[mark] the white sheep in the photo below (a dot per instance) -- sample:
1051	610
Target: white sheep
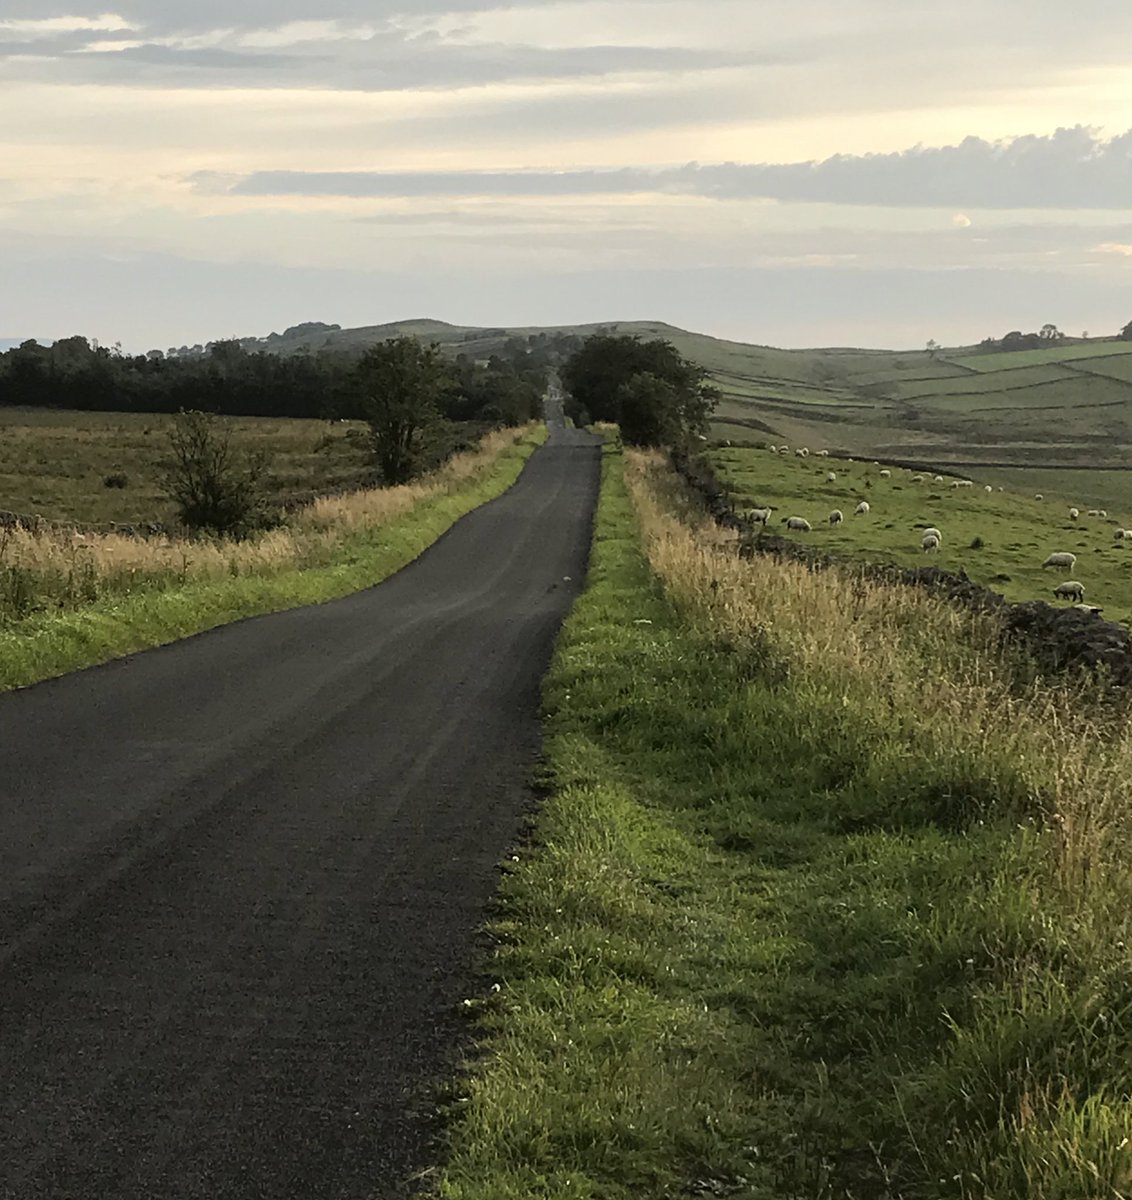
1073	514
1038	496
966	483
863	507
1096	610
783	449
1102	512
931	531
774	449
1120	534
798	523
886	473
987	487
929	542
831	476
1070	590
836	517
937	479
1093	512
823	454
955	483
1061	558
759	516
917	479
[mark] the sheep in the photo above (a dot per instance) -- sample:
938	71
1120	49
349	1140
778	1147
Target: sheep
954	483
931	531
798	523
1102	512
759	516
917	479
1070	590
823	454
831	476
836	517
937	479
1093	512
886	473
863	507
987	487
774	449
1038	496
966	483
1061	558
929	542
1094	609
783	449
1073	514
1120	534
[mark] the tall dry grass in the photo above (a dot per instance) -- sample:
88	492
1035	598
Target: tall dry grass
947	730
54	567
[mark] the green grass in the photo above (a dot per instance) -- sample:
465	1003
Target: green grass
53	461
52	643
752	953
1017	532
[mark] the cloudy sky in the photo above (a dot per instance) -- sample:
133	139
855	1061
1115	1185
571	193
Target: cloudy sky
790	172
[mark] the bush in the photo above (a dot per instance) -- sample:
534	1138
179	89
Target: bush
118	479
214	486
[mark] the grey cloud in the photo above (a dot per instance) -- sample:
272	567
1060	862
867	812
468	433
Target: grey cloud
1070	169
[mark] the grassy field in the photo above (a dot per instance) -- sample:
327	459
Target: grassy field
826	901
999	538
53	463
70	600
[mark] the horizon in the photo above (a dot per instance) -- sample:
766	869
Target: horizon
802	175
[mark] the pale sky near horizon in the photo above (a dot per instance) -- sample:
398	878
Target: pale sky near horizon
787	172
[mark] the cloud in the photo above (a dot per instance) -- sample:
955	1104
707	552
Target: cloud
1070	169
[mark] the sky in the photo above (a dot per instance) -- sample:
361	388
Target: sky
786	172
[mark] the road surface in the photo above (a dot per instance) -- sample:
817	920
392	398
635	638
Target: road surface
241	876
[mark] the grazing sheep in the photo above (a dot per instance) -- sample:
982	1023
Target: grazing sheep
1102	512
987	487
886	473
1062	558
931	531
1120	534
759	516
798	523
1070	590
836	517
917	479
783	449
1038	496
1095	609
1073	514
774	449
831	476
804	452
929	542
955	483
823	454
966	483
863	507
1093	512
937	479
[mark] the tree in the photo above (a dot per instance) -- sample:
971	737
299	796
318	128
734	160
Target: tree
400	382
214	486
1050	333
598	374
933	346
1126	333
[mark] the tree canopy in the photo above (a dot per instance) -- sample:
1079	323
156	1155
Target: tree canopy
648	388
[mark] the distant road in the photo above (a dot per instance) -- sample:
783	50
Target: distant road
240	876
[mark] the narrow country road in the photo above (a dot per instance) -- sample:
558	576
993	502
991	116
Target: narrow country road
241	875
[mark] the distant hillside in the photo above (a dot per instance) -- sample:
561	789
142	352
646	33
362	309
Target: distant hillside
1067	404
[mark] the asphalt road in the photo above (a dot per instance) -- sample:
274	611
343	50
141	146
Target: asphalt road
241	876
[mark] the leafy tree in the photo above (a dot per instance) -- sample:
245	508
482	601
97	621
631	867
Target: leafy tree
598	373
932	347
214	486
400	383
1050	333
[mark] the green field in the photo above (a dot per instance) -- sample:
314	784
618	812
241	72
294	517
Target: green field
1015	530
998	361
53	462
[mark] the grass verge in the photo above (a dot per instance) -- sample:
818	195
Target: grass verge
824	901
355	543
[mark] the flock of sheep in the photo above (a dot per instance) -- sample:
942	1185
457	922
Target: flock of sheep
931	538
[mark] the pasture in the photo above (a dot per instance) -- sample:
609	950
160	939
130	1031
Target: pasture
999	538
54	462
